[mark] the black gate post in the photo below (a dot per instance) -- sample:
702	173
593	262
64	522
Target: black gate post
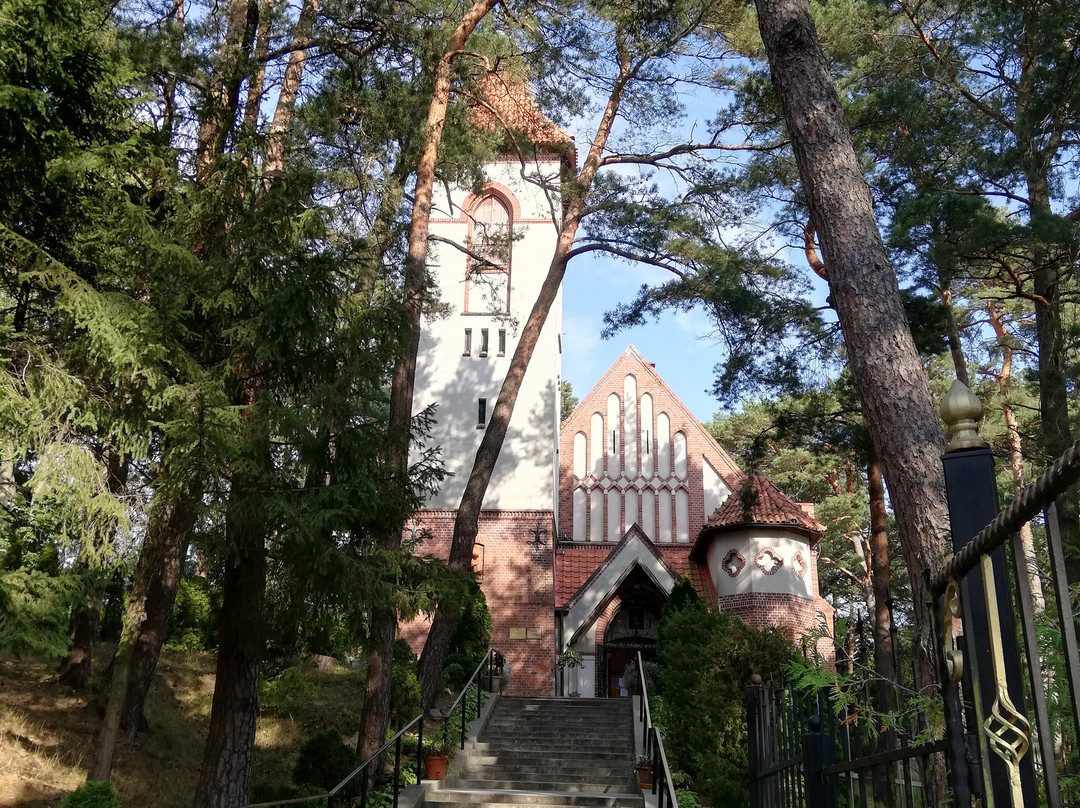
755	737
819	751
972	497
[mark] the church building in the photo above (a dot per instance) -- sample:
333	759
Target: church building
588	523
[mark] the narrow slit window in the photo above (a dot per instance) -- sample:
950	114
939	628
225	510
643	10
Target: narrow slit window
648	443
613	449
502	342
481	413
483	342
468	342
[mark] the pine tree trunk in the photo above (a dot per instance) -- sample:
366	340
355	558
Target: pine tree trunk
376	711
225	780
1036	151
286	105
109	734
223	92
173	527
75	667
885	365
377	688
1056	435
880	579
1016	454
466	521
952	334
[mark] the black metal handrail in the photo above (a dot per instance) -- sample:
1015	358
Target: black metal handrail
653	745
491	658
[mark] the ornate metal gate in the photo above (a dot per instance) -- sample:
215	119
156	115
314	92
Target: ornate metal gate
1009	670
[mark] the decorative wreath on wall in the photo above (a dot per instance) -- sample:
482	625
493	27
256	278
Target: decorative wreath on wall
798	563
733	563
768	560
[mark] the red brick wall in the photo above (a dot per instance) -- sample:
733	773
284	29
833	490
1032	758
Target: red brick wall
518	584
794	615
698	442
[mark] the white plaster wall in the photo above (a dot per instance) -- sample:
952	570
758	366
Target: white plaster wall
647	436
648	513
611	437
752	580
715	489
580	510
663	498
614	515
682	516
526	474
630	426
596	515
663	445
581	455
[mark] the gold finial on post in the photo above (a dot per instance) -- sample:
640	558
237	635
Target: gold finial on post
961	411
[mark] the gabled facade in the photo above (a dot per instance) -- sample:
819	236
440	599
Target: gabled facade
586	526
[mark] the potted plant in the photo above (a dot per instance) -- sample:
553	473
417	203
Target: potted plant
643	771
436	758
570	659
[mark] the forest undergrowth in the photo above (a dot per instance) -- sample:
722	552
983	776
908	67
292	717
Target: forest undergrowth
47	730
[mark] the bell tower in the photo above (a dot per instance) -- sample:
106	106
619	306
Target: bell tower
492	250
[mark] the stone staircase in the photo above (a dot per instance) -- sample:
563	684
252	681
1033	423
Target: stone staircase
546	752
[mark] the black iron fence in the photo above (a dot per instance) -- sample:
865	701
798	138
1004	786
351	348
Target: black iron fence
356	785
1001	726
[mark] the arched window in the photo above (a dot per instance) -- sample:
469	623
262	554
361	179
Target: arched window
487	287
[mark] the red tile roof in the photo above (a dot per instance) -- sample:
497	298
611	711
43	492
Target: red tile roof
576	564
678	557
767	506
509	103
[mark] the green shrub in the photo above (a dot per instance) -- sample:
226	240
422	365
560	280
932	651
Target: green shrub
113	606
95	794
470	640
704	661
272	790
34	611
325	760
283	693
193	621
404	686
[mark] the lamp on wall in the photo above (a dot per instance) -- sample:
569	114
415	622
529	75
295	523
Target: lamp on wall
538	534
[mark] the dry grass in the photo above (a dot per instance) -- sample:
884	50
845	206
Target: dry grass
47	731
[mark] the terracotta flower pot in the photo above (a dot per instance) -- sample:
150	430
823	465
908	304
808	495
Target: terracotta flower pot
644	776
435	766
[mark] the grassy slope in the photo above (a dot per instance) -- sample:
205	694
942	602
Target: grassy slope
47	731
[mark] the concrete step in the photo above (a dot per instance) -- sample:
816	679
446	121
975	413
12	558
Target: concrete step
515	761
598	726
558	751
547	772
503	798
550	748
577	739
553	784
558	756
547	753
557	705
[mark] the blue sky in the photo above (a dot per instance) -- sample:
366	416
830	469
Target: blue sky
684	358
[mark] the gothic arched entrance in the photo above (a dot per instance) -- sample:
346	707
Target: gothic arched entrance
631	629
